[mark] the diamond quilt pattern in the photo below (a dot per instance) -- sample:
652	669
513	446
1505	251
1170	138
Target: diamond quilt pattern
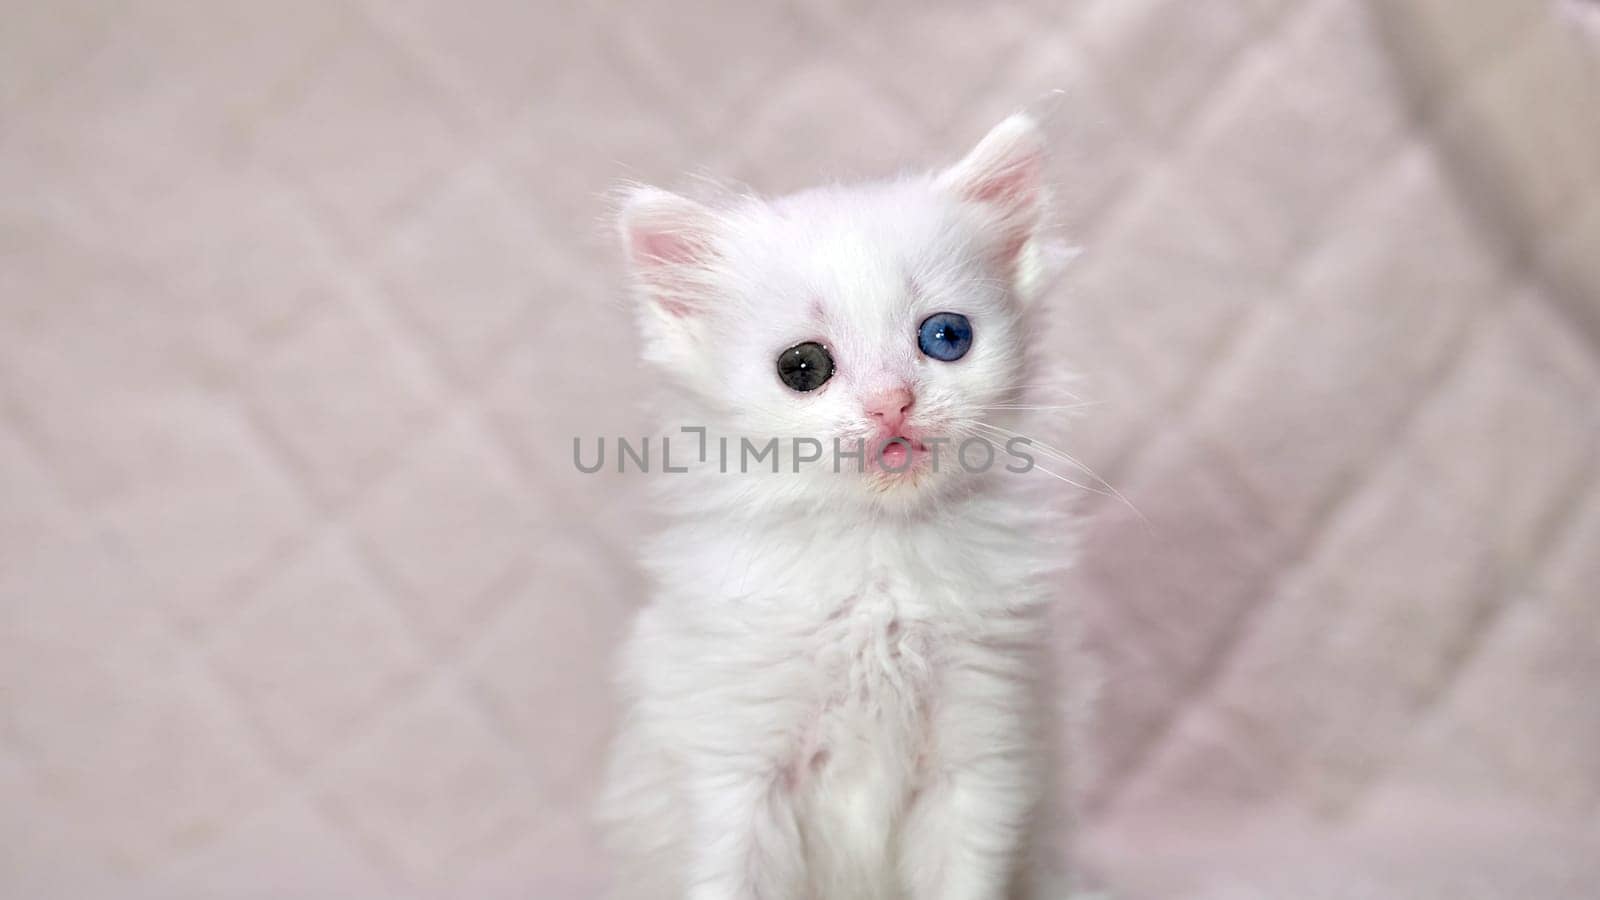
302	304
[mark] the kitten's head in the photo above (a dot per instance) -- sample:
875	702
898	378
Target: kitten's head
868	312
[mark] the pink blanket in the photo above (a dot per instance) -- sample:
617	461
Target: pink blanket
302	303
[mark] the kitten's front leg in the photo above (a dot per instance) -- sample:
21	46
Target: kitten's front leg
968	838
747	843
970	831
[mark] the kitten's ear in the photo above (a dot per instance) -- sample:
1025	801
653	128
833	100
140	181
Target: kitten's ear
670	242
1004	174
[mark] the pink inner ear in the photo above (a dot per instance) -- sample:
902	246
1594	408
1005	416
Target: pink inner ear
1012	186
665	247
1014	189
675	308
656	254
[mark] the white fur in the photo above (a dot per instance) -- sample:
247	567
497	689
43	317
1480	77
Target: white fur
841	687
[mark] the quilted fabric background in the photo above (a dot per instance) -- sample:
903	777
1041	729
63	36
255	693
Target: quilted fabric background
302	303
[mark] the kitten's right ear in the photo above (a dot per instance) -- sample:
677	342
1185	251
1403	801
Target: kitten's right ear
1004	175
671	245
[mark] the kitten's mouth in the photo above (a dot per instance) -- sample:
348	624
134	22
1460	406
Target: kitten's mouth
901	454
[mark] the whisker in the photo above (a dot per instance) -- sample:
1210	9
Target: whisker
1059	477
1032	408
1052	473
1063	456
1018	391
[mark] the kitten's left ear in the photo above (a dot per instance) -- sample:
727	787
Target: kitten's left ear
671	244
1004	175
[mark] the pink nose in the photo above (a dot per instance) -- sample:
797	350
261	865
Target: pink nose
890	407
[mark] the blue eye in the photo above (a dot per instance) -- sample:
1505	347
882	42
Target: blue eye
945	336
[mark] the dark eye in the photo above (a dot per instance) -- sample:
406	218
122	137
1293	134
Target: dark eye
805	367
945	336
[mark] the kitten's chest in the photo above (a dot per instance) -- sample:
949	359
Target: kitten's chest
868	742
876	670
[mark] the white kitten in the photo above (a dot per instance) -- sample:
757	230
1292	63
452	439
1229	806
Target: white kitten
842	687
